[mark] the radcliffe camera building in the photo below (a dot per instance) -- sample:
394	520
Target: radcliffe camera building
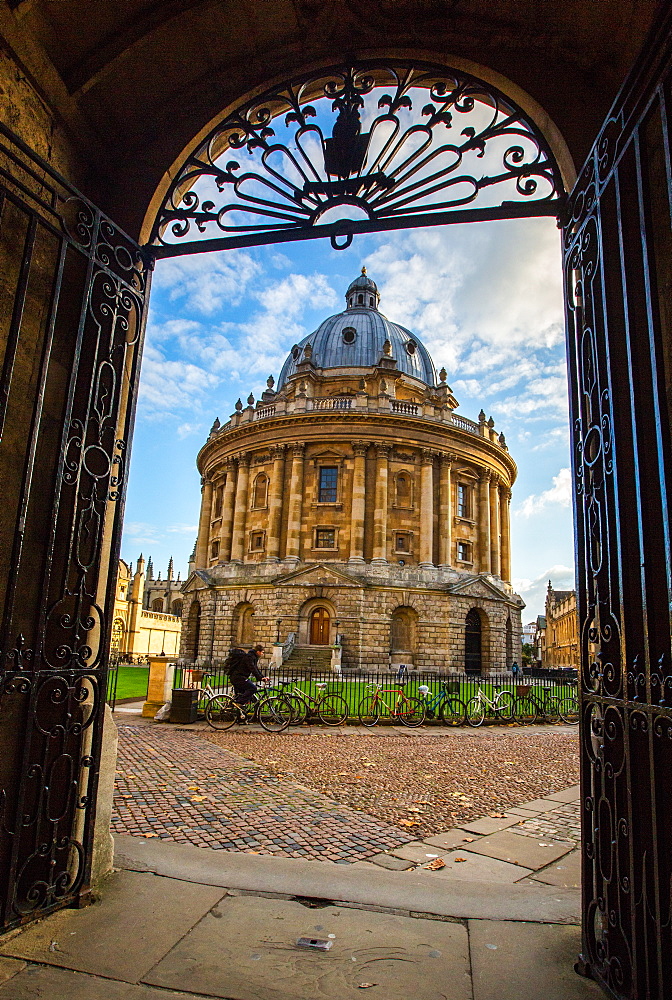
351	500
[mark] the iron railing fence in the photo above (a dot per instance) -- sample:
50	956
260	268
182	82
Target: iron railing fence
354	684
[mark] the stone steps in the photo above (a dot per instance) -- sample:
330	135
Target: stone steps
309	657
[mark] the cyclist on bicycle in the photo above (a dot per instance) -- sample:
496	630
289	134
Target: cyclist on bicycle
241	665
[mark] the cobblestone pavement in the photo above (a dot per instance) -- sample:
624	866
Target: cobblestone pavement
563	823
176	786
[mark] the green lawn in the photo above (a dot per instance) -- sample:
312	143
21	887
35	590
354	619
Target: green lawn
132	682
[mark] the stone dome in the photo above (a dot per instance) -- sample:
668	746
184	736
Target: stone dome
355	338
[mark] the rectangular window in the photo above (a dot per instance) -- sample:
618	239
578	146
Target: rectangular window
257	540
464	551
402	543
462	500
214	550
328	484
325	538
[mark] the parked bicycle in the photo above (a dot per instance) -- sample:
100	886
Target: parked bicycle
535	703
330	707
271	710
569	709
500	706
373	706
444	705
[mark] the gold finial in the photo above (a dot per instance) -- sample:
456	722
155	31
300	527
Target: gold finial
364	270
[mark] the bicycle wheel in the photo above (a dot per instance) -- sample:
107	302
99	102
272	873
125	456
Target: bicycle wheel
274	713
300	708
221	712
369	710
412	712
551	709
332	710
569	711
475	712
505	704
525	711
453	712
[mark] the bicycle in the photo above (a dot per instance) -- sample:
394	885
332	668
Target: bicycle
272	711
501	705
330	708
569	709
450	710
409	711
531	703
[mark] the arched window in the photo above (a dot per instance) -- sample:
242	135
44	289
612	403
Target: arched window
243	625
473	656
176	609
217	509
360	300
260	492
193	631
403	490
118	632
157	605
371	301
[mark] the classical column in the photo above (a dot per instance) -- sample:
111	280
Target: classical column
275	504
240	510
445	512
427	509
358	503
293	547
381	504
228	506
504	501
484	521
203	539
495	563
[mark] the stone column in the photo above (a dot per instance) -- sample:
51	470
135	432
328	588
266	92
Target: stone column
203	539
293	548
427	509
504	501
445	512
228	508
358	504
495	565
381	504
275	504
484	521
240	509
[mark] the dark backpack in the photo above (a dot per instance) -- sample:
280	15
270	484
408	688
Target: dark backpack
237	662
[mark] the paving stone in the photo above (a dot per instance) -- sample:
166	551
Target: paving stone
250	952
566	873
467	867
416	851
489	825
572	794
390	862
44	983
525	961
112	938
520	811
509	846
449	839
10	967
539	805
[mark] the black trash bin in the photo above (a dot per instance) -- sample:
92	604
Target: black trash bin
184	705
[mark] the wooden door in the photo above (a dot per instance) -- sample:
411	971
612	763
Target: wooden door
319	627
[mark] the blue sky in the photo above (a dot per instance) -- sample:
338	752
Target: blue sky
486	300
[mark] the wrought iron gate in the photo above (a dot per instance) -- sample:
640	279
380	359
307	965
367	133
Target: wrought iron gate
71	325
618	270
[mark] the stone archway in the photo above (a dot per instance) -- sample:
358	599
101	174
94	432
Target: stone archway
320	626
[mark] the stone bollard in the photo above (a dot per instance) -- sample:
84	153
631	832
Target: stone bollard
276	656
160	687
336	654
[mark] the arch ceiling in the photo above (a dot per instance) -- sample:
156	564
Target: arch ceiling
135	80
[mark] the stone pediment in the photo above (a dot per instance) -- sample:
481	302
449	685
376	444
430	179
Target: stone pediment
479	587
200	579
317	576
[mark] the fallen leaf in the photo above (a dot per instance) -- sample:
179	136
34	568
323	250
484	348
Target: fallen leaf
460	859
198	798
435	865
366	986
407	822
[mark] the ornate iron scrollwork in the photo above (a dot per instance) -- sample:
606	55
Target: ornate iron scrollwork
439	146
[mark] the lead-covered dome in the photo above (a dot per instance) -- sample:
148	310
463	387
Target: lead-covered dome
355	338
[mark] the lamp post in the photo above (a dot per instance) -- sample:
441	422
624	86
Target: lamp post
277	629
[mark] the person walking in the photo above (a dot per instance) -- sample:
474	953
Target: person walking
515	669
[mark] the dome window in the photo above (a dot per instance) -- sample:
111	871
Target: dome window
360	300
296	352
411	347
349	335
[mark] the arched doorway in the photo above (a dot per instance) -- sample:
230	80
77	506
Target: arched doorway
320	622
473	643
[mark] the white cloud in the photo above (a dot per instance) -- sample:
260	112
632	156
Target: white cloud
533	592
182	529
206	282
186	430
559	493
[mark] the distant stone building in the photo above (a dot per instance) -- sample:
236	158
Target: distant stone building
140	626
354	504
562	629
